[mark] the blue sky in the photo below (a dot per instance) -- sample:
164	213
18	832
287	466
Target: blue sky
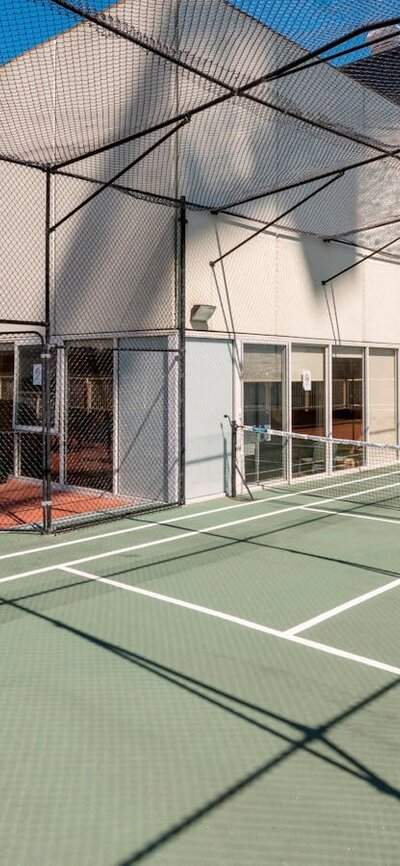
26	23
320	21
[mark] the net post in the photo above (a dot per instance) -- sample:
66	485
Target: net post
234	428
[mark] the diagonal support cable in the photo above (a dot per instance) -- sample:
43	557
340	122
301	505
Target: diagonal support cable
359	164
341	235
119	174
274	221
355	264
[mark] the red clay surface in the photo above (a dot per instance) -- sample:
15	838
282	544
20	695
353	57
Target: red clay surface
21	503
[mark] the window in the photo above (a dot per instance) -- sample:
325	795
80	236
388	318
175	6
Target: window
382	396
347	406
263	375
28	403
308	408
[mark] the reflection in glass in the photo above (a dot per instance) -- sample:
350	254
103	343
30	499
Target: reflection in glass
382	396
347	406
308	408
262	391
29	387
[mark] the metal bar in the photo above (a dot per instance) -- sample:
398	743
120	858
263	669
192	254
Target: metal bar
190	205
118	175
183	116
294	66
390	222
23	162
298	64
363	259
182	348
345	51
256	99
22	322
224	208
46	382
148	45
274	221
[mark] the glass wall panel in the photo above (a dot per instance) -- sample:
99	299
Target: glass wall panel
347	405
263	374
382	396
308	408
28	411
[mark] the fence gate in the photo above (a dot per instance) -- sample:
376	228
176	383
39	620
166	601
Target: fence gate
89	429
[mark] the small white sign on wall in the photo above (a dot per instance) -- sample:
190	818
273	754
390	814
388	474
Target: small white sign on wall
307	380
36	374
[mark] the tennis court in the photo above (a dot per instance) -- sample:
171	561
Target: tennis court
214	684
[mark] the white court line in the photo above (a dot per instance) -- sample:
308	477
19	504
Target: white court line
357	516
360	599
45	547
71	542
191	533
254	626
158	596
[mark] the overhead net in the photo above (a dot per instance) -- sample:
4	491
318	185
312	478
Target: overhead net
277	94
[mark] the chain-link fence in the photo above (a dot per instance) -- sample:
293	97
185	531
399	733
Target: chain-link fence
110	442
91	353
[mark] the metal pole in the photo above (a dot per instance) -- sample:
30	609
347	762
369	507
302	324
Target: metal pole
46	383
182	347
234	427
360	261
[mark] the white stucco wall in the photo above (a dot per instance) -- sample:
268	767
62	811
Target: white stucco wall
272	285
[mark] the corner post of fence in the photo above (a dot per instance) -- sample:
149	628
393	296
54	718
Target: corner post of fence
181	321
46	376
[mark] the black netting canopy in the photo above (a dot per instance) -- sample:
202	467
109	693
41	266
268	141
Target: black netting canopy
243	106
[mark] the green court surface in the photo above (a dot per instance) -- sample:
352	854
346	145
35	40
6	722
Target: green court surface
218	684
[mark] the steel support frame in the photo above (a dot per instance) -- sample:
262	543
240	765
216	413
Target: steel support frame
46	377
181	322
313	58
46	354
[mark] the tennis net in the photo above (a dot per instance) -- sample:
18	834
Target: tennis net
361	472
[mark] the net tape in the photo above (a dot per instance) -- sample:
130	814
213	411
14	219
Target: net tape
321	466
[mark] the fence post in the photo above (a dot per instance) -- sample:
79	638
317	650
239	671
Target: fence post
181	316
46	377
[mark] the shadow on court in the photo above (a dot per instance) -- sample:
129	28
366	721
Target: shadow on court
298	738
256	539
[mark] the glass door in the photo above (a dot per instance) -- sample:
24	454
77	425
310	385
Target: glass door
308	409
347	406
263	374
